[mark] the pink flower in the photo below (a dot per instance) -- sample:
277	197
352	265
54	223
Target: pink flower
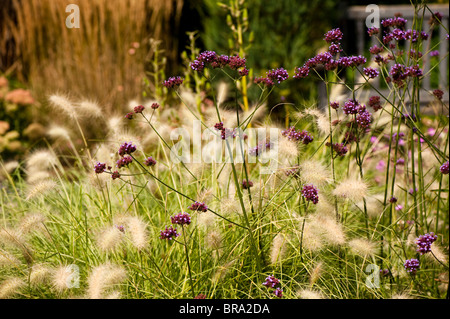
381	165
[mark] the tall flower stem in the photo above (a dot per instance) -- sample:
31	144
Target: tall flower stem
244	212
187	261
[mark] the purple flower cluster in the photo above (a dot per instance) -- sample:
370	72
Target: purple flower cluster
169	233
352	61
400	35
322	58
371	73
199	206
333	36
173	82
400	73
376	49
124	161
424	242
139	109
278	292
181	219
397	22
279	75
364	119
310	193
225	132
374	102
258	149
294	172
292	134
271	282
213	60
247	184
150	161
126	148
351	107
438	94
373	31
334	49
334	105
99	168
444	168
115	175
275	75
301	72
339	148
411	265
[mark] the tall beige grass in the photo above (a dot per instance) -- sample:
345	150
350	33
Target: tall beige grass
103	59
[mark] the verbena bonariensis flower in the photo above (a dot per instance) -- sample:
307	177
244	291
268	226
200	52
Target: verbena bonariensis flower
376	49
424	242
150	161
115	175
438	94
380	60
278	75
219	126
236	62
124	161
99	167
292	134
415	54
278	292
199	206
121	228
352	61
398	73
139	109
414	71
374	102
364	119
126	148
333	36
169	233
271	282
154	106
263	80
444	168
294	172
334	105
310	193
173	82
243	72
129	116
258	149
373	30
339	148
334	49
247	184
371	73
301	72
181	219
398	22
434	53
351	107
411	265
